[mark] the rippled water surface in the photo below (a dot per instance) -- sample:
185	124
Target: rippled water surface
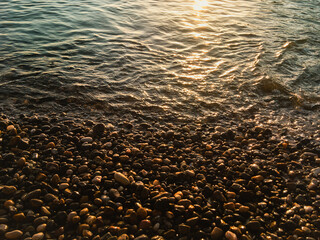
181	58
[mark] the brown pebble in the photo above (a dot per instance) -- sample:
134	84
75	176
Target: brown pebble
119	177
145	224
170	234
84	211
91	220
124	158
15	234
9	190
87	233
21	162
142	213
36	203
82	227
184	229
123	237
41	177
258	178
231	195
3	228
184	202
55	179
38	236
19	217
244	209
50	145
230	235
11	130
8	203
229	205
41	227
71	215
45	211
217	233
76	219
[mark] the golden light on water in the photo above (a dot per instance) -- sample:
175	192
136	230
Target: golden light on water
200	5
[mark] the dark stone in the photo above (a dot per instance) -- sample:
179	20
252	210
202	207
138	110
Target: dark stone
253	226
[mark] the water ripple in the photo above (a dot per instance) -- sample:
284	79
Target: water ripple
162	56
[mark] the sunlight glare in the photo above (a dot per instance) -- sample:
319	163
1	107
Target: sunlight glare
200	4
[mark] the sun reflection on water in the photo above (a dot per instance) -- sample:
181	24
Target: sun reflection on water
200	5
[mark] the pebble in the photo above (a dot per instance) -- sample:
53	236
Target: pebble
63	186
86	140
119	177
38	236
8	203
217	233
142	213
123	237
19	217
230	235
145	224
229	205
15	234
9	190
3	228
41	227
184	229
253	226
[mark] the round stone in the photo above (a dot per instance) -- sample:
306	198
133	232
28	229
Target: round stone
15	234
38	236
122	179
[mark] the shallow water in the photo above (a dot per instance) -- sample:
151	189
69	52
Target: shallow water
186	59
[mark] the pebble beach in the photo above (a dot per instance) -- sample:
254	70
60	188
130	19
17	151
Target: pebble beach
65	179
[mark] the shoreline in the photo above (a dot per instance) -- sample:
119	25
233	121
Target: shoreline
107	179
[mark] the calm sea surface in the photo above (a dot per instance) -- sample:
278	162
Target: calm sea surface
186	59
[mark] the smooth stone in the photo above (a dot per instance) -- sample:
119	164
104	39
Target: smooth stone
36	203
217	233
231	236
142	213
119	177
229	205
145	224
142	237
8	203
170	234
8	190
244	209
38	236
184	229
19	217
253	226
15	234
86	140
45	211
41	227
96	180
3	228
63	186
123	237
